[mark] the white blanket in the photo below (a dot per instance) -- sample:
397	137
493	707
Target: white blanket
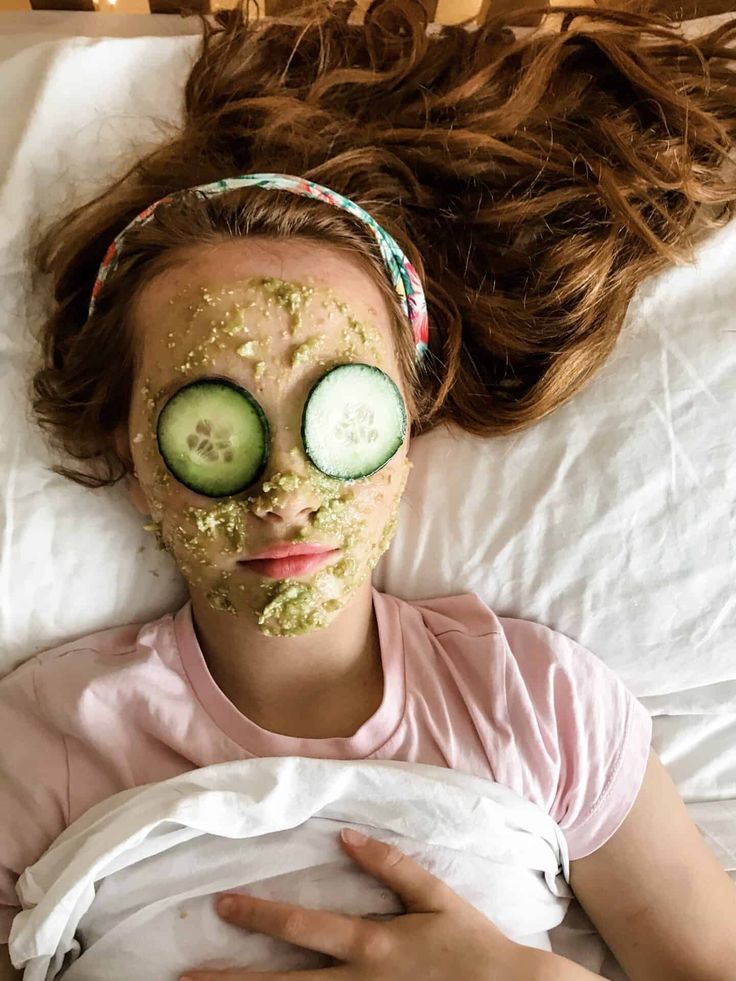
127	890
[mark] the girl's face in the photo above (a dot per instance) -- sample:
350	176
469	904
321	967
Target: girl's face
272	317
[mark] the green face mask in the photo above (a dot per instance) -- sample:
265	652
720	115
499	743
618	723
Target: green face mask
211	437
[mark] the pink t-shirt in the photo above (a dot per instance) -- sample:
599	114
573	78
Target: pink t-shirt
505	699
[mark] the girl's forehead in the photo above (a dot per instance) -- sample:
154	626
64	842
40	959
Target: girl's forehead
276	312
267	331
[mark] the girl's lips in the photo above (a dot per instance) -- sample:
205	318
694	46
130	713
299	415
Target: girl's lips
292	565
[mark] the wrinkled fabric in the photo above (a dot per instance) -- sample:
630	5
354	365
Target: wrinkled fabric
127	890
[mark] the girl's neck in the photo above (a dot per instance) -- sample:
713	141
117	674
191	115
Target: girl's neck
318	685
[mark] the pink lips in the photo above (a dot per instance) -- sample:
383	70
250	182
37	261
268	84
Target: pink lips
288	560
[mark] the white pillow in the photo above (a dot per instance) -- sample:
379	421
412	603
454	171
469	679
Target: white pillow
611	520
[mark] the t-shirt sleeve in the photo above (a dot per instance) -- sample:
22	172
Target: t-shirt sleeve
33	784
588	746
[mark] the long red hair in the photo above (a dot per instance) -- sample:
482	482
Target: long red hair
534	179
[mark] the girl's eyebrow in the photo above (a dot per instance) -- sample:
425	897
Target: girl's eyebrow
175	383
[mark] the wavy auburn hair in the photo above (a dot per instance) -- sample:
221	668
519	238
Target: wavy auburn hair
533	177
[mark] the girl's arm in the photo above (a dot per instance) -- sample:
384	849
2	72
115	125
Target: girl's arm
656	893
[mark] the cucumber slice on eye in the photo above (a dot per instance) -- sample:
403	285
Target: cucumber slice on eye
214	437
354	421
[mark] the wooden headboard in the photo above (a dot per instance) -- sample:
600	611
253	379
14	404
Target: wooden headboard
440	11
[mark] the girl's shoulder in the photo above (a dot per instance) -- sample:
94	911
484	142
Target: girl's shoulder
107	642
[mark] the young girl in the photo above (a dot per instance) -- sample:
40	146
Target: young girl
362	232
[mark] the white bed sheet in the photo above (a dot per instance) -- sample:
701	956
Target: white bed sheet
116	884
613	520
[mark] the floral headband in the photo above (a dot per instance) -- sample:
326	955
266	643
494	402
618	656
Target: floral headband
403	274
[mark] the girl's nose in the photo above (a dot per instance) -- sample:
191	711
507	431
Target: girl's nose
289	509
286	493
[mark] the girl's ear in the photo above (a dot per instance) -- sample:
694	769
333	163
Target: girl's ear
121	439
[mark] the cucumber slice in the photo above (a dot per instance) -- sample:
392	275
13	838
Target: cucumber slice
214	437
354	421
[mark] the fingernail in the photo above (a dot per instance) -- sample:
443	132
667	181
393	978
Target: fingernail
353	837
226	905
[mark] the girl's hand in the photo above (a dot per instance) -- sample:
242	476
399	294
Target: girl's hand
441	936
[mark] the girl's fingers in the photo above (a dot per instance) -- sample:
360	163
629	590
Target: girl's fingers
344	937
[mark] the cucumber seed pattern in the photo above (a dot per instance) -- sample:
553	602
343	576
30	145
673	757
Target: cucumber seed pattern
211	439
356	425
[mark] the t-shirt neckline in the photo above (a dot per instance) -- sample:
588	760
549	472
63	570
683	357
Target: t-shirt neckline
371	735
